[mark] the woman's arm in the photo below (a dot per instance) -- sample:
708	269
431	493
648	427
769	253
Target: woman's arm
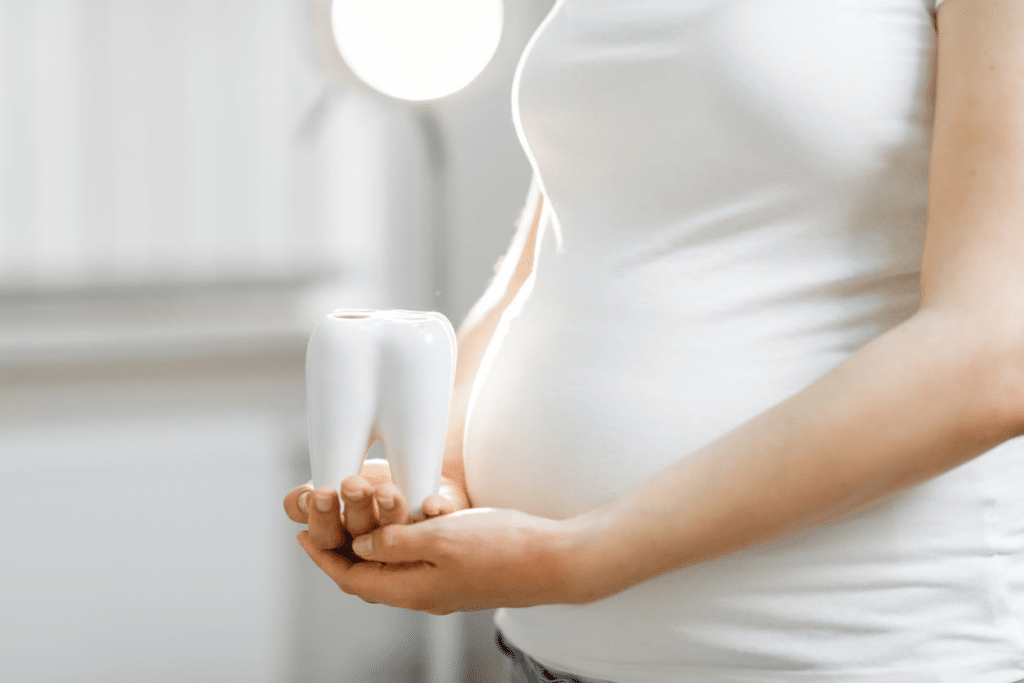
938	390
934	392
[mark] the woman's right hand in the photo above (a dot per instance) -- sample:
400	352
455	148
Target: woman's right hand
370	498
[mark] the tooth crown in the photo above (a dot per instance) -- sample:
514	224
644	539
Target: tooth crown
384	375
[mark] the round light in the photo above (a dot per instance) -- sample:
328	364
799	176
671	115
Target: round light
417	49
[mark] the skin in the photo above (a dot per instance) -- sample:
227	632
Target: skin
366	501
932	393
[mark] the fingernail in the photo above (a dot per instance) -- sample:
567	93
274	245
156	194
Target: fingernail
363	545
386	503
323	502
304	502
355	497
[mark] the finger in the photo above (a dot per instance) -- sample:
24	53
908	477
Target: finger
360	514
325	519
437	505
395	585
392	505
363	579
376	471
455	493
296	503
331	563
404	584
399	543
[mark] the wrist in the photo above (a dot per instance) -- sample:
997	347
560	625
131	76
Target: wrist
585	565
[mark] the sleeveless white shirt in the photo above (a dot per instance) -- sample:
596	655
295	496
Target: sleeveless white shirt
736	196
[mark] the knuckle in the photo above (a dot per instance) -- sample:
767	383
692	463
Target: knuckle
323	539
388	490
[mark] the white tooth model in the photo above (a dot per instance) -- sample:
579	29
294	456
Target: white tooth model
384	375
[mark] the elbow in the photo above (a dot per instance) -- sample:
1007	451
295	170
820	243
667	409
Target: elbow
996	372
1006	396
986	354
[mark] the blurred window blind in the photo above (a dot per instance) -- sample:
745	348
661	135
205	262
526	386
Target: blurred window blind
154	142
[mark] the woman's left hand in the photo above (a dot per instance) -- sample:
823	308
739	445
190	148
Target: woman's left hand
473	559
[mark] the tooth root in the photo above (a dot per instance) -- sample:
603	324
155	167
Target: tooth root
386	375
417	365
341	401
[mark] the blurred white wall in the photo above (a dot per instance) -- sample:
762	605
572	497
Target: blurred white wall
152	141
174	215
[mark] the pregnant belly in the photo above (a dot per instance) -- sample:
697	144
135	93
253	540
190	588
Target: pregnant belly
569	411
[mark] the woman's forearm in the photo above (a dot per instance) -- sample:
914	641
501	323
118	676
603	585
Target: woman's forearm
917	401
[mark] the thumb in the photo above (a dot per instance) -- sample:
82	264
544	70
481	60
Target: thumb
396	543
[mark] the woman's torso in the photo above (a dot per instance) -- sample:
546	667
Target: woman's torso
737	195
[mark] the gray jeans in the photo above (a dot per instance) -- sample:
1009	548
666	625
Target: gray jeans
520	667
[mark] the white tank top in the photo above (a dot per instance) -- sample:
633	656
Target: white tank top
737	194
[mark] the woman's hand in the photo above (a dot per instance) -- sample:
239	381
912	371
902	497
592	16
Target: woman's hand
370	498
469	560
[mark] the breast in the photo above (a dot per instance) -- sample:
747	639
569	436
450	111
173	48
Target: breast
639	112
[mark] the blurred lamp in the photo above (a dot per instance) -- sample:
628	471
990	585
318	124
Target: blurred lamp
411	53
409	50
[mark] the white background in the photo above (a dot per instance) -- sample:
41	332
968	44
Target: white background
173	218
